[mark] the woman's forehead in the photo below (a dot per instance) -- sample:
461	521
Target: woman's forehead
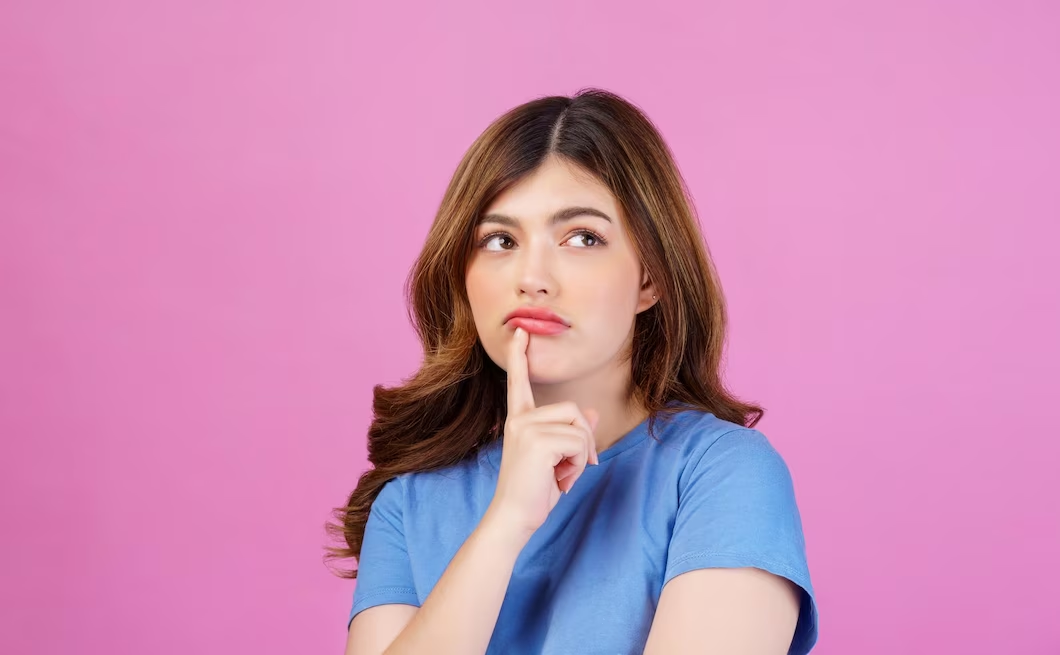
550	188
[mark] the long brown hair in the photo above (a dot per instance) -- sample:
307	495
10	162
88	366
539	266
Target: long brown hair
455	403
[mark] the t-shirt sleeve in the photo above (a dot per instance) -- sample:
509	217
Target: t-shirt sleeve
384	574
736	508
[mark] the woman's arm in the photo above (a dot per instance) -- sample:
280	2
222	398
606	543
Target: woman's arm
545	451
735	611
461	611
377	627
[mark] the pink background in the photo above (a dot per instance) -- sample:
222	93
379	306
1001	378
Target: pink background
208	212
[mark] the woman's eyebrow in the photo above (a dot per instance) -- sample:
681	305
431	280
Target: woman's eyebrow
564	214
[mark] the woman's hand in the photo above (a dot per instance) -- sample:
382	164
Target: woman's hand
545	449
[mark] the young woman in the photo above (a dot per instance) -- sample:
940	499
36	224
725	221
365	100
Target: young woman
566	473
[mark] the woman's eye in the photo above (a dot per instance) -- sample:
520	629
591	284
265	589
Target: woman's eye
495	238
591	240
500	241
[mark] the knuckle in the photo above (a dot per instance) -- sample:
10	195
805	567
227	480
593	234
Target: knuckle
579	433
575	442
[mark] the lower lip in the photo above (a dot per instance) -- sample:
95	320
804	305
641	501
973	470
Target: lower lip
537	326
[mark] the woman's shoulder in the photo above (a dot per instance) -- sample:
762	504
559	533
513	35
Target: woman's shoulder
444	499
699	430
701	438
468	471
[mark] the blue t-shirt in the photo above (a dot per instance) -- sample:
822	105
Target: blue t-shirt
708	493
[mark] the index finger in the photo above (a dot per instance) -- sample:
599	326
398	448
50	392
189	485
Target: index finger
520	395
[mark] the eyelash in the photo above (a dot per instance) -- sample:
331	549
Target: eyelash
582	232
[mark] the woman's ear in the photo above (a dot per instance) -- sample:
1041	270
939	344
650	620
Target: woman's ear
648	294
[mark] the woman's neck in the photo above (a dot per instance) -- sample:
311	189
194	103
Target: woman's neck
606	392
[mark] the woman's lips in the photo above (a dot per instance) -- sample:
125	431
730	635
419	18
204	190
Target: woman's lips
537	325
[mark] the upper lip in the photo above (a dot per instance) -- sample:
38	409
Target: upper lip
540	313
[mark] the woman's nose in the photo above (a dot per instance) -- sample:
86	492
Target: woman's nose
535	274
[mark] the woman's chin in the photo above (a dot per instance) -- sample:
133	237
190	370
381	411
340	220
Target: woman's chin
548	371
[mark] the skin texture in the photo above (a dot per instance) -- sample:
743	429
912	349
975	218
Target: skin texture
567	402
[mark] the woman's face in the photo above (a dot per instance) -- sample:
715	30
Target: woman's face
580	265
